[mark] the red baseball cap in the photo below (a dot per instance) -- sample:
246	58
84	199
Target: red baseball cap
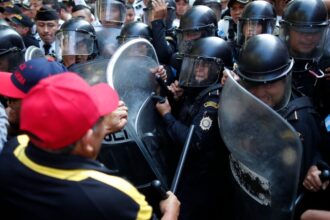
60	109
27	75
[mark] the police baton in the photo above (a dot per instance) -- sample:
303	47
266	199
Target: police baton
182	160
324	176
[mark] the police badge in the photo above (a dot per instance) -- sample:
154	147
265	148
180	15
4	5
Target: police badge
205	123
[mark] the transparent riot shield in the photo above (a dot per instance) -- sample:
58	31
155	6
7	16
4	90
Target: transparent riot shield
93	71
107	40
265	155
129	72
33	52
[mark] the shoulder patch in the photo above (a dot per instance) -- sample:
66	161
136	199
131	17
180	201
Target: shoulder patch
169	38
206	123
211	104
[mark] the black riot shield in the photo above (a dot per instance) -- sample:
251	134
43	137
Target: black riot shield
129	73
107	40
93	71
265	155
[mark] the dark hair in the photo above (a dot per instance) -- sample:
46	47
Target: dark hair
69	3
47	14
81	7
54	4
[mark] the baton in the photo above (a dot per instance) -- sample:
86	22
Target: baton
182	160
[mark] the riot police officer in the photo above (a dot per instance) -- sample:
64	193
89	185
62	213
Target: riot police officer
213	4
133	30
258	17
11	49
198	22
76	41
265	68
303	28
111	14
204	174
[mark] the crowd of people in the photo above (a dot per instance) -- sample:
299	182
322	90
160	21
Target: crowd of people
53	124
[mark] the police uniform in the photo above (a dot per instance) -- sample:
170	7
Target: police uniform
35	184
165	44
205	172
51	49
300	113
317	89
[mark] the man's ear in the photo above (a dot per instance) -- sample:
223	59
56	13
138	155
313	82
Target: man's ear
84	146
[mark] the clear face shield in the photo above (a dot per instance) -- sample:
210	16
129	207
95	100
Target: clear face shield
276	94
249	28
74	43
304	42
111	13
199	72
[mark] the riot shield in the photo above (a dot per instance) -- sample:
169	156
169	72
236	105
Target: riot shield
107	40
33	52
265	155
93	71
129	73
119	151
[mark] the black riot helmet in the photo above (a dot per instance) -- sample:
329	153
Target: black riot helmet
12	49
198	22
303	28
258	17
213	4
76	37
203	66
265	59
134	30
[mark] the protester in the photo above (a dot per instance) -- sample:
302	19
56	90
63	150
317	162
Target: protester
15	86
51	171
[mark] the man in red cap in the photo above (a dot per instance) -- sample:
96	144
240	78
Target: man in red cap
52	172
15	86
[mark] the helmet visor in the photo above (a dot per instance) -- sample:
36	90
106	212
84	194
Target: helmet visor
249	28
199	71
276	94
74	43
304	42
111	11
